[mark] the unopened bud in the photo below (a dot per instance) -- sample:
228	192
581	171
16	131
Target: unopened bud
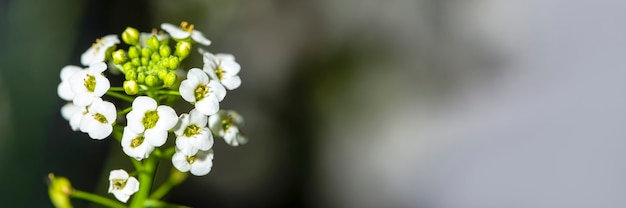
165	50
146	52
134	52
173	63
182	49
130	36
131	87
155	57
141	78
152	81
169	79
131	75
153	42
59	191
119	56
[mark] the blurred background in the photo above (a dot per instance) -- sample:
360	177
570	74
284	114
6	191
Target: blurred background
352	103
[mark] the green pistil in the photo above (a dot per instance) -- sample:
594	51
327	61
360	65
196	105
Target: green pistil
227	122
100	118
191	159
136	141
201	91
90	83
191	130
119	184
150	119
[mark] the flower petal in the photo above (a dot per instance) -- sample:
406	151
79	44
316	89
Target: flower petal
231	83
217	89
167	118
199	38
179	160
175	31
156	137
208	106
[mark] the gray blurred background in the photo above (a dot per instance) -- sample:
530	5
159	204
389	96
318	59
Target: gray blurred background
425	103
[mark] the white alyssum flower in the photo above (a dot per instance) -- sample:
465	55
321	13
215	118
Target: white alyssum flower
134	145
98	121
185	31
222	67
192	133
97	52
64	90
199	164
205	94
122	185
151	120
89	84
226	124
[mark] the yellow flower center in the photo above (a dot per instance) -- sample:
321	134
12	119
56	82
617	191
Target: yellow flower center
191	130
119	184
150	119
201	91
219	71
191	159
136	142
90	83
100	118
186	26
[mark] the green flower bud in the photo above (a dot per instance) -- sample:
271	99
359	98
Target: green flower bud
144	61
133	52
161	73
119	56
128	66
165	51
136	62
131	87
152	81
155	57
182	49
130	36
169	79
146	52
131	75
153	42
59	191
141	78
173	63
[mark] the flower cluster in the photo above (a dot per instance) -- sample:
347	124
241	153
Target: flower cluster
153	81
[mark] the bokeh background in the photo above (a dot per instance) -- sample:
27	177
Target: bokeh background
351	103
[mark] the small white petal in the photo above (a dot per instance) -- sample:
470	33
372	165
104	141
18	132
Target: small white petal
68	110
65	91
187	89
199	38
197	118
68	71
76	119
175	31
217	89
208	106
167	118
132	186
231	83
203	163
118	174
179	160
144	103
102	85
156	137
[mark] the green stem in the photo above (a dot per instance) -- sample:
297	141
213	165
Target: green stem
176	177
126	110
168	92
146	177
120	89
96	199
120	96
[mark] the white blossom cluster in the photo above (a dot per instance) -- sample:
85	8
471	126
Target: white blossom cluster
148	122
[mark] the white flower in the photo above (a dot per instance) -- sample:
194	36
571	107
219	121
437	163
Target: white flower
64	90
151	120
185	31
199	164
134	145
225	124
192	133
97	52
122	185
89	84
98	122
222	67
205	93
